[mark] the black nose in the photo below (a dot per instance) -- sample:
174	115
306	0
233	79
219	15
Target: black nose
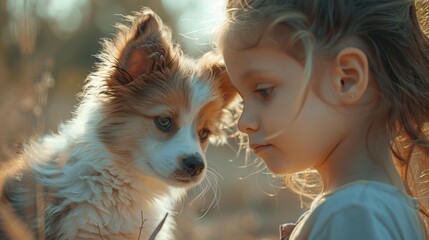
193	165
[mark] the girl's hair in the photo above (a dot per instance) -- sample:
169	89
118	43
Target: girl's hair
398	55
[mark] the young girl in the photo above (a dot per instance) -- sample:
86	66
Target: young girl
341	87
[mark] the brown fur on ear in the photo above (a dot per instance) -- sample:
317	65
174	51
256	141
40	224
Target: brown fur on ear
142	48
213	64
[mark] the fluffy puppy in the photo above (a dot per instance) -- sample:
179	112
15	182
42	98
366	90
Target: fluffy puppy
136	141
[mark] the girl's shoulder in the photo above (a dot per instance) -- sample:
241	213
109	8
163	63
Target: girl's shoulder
365	194
362	209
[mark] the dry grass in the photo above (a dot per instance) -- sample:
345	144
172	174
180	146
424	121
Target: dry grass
152	236
24	100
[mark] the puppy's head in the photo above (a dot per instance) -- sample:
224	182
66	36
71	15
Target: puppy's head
160	109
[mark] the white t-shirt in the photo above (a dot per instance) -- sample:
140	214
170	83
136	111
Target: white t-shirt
362	210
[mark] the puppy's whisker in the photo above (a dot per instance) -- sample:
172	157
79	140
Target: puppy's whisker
210	183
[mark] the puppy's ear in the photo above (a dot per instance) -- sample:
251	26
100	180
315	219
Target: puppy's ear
213	64
145	47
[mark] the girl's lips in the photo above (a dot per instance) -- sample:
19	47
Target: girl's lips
259	147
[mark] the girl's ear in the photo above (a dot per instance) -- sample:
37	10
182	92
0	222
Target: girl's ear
141	48
351	75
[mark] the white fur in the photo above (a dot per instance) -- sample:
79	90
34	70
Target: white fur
163	159
202	94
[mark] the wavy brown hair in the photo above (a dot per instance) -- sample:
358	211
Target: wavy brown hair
398	54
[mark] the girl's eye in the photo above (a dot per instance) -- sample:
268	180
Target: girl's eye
204	134
163	123
264	92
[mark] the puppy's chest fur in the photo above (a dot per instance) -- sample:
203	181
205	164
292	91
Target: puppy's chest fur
85	194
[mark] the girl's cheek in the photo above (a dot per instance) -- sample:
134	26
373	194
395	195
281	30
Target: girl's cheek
281	112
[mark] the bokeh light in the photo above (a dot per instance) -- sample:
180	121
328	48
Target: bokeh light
197	21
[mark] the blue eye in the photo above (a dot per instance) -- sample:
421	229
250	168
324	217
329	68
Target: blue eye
264	92
163	123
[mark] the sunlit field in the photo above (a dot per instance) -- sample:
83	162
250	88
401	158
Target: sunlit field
47	49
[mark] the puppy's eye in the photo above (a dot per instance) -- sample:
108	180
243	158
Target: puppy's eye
204	134
163	123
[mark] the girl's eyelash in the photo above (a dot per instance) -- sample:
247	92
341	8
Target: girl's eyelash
264	92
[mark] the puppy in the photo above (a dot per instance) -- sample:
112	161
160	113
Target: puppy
136	141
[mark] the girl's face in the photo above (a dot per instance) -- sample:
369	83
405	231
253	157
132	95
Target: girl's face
289	130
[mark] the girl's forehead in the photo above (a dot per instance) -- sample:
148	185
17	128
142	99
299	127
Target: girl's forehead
242	37
280	36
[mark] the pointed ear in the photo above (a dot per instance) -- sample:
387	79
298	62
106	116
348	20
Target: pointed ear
146	47
213	63
351	75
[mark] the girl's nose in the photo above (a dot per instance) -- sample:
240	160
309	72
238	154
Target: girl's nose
247	122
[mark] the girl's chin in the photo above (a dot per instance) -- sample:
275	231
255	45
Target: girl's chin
281	167
278	168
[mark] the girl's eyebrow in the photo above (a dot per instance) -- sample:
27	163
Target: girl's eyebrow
252	76
254	73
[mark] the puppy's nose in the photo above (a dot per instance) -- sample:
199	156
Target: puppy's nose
193	164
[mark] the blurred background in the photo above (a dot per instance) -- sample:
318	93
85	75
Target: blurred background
47	49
